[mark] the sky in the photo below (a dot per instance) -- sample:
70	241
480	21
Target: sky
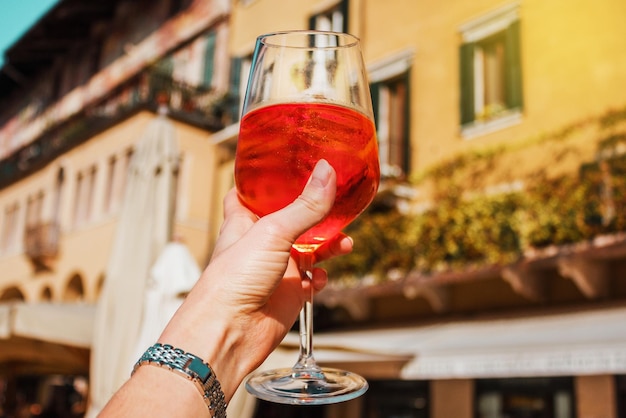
16	17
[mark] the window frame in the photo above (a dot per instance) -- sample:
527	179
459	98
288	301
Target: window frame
9	237
208	69
238	82
393	69
331	16
505	23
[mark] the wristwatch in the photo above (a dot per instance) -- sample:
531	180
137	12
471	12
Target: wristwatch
191	367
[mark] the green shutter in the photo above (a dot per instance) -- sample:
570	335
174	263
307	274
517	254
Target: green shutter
343	8
209	59
375	93
513	72
466	59
406	160
234	91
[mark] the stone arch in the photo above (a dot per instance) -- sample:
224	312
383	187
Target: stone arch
12	293
46	294
74	290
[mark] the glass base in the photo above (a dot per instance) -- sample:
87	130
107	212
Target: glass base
288	386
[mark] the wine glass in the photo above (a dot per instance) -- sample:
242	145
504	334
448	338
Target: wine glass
307	99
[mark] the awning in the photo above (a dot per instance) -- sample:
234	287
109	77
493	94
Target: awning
578	343
45	337
58	336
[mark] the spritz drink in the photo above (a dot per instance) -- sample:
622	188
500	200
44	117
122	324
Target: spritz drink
307	99
280	144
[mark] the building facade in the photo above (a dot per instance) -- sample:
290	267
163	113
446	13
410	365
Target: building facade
489	98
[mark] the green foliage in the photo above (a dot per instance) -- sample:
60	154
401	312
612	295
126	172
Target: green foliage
380	243
465	226
457	232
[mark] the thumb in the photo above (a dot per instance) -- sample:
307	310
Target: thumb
310	207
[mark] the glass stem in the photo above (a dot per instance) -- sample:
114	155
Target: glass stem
306	367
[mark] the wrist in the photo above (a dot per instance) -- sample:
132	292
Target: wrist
191	367
214	342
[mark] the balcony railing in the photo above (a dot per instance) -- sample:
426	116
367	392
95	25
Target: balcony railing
41	244
196	105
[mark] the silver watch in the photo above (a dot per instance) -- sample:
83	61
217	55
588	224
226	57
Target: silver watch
191	367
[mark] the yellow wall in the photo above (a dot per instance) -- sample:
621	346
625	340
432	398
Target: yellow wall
85	248
573	61
259	17
572	65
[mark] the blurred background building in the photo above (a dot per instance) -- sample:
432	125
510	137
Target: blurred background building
488	276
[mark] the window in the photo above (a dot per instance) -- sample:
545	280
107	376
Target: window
121	186
109	197
78	202
10	227
490	72
91	188
209	59
34	210
239	73
391	98
85	187
57	195
333	19
525	398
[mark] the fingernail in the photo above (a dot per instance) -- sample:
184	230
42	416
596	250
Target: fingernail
321	173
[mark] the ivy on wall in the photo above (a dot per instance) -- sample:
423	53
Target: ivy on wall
466	226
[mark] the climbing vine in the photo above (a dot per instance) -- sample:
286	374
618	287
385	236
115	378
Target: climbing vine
464	225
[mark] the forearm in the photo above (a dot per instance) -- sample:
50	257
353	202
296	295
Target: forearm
240	309
154	392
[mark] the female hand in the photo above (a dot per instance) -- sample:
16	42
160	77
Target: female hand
250	294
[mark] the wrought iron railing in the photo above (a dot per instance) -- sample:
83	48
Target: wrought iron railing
195	105
41	244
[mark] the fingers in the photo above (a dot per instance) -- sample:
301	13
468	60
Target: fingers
319	279
309	208
237	221
339	245
288	223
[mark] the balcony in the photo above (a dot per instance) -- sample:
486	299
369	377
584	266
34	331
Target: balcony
195	105
41	245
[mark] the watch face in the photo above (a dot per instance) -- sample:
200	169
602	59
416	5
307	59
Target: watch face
175	359
198	367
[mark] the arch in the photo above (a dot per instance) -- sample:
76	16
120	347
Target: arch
12	293
45	294
74	290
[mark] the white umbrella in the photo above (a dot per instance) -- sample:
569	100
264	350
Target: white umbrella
171	278
143	230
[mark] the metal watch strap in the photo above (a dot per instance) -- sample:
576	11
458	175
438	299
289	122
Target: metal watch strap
191	367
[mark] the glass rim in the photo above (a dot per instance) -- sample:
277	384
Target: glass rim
351	40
